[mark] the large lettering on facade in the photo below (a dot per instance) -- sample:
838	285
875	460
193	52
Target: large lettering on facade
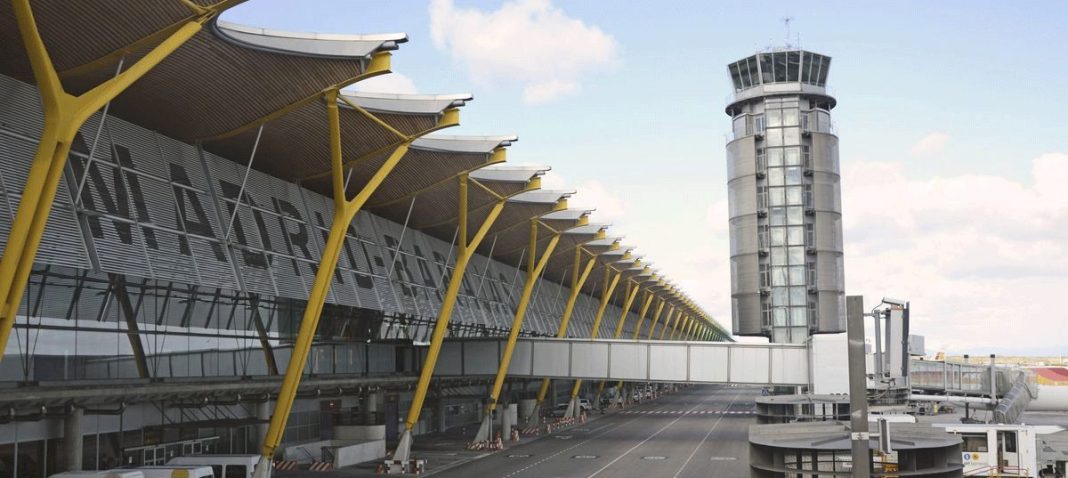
147	203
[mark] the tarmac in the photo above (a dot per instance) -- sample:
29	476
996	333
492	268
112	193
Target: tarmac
695	431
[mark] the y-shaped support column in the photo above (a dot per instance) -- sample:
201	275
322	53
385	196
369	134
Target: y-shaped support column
345	210
534	268
669	321
641	316
465	248
64	114
610	282
578	279
656	318
619	330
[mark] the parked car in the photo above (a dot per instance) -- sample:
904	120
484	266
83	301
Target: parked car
585	404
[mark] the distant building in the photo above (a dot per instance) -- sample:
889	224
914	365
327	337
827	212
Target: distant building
787	279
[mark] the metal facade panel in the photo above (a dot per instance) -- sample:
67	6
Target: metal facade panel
743	235
551	358
749	365
522	359
668	362
741	160
163	209
481	357
710	364
382	358
629	361
789	365
742	196
450	360
589	359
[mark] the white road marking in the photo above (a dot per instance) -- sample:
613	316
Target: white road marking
694	452
650	437
572	447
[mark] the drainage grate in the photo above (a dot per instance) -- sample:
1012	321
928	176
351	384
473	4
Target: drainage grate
518	456
563	437
722	458
654	457
585	457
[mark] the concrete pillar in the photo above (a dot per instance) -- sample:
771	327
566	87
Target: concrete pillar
372	404
72	439
506	420
263	413
526	410
513	413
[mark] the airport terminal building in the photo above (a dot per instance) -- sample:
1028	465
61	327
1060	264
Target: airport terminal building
162	257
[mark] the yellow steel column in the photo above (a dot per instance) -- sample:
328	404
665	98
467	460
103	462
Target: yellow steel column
673	315
577	281
675	325
633	293
606	296
345	210
683	319
535	264
641	317
64	114
656	318
465	248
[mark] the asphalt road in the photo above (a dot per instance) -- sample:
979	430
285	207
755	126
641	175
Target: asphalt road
696	432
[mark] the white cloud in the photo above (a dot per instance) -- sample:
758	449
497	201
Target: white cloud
931	145
983	258
539	93
531	43
388	83
591	194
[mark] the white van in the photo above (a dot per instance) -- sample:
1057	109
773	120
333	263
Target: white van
100	474
177	471
223	466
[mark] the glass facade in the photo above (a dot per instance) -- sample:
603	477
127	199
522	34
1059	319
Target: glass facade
786	220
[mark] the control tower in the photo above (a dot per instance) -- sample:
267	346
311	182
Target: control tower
787	279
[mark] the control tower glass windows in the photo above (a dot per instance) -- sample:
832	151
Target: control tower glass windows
780	67
736	75
767	69
793	65
744	73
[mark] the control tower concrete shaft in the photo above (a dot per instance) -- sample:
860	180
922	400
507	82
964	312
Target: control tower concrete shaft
787	279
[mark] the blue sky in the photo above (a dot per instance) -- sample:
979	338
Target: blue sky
934	97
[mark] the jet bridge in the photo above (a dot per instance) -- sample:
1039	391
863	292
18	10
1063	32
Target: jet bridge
634	360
